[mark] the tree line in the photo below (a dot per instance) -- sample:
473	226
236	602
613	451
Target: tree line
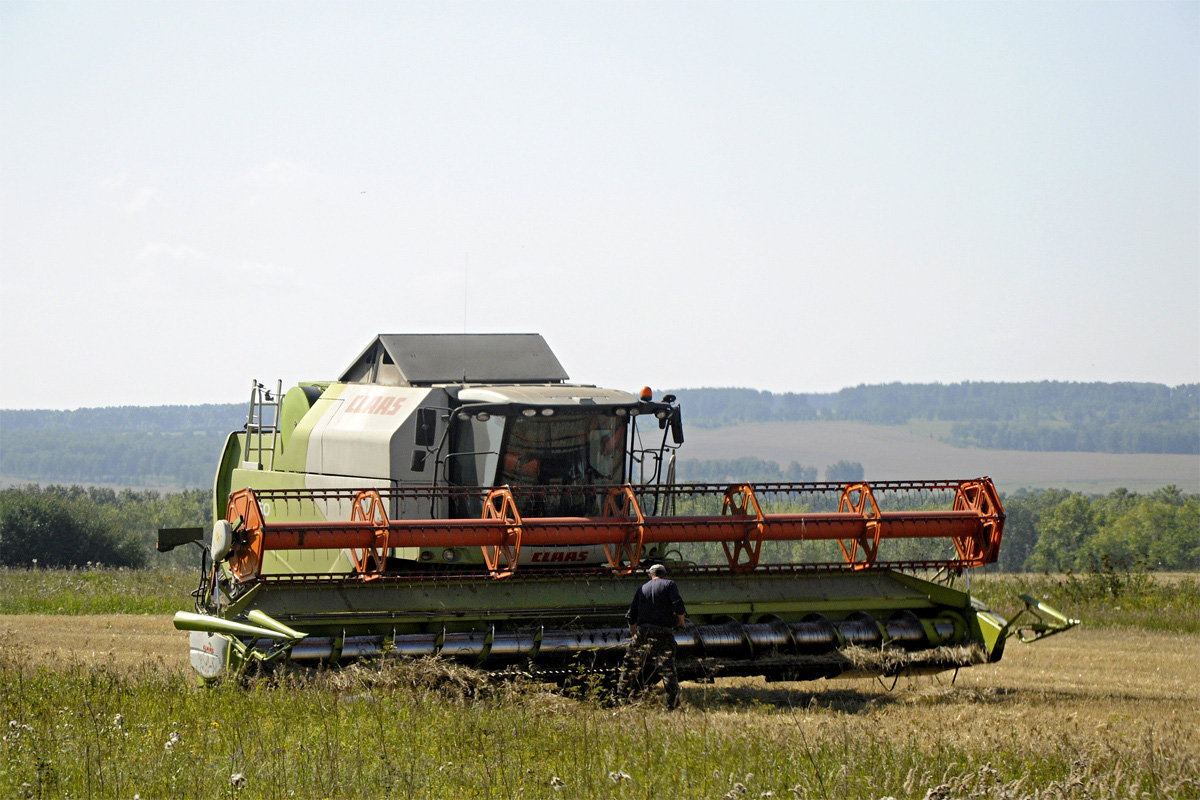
756	470
1053	530
1046	530
212	418
74	526
169	460
1083	437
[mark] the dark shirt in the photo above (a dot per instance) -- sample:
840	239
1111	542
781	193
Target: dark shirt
657	602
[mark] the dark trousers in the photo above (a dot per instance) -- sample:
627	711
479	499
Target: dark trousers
650	655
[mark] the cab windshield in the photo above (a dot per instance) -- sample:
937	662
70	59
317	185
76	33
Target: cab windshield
563	450
559	451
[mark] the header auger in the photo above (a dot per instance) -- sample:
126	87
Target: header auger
452	496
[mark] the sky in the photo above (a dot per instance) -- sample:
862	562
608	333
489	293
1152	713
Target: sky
794	196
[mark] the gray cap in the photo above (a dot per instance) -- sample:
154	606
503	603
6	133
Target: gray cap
657	571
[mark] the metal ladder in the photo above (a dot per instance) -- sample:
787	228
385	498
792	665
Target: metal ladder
257	427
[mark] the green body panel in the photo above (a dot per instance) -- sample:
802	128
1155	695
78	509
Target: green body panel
301	417
295	562
992	631
292	411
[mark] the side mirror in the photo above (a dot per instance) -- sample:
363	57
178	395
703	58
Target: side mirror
417	464
426	427
676	423
170	538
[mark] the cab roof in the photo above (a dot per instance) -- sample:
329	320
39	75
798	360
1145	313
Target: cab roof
424	359
557	395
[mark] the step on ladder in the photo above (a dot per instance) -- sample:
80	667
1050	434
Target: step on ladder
262	421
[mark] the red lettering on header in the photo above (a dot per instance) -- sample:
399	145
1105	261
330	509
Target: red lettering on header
366	404
544	557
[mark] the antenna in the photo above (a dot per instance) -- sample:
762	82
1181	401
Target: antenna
466	283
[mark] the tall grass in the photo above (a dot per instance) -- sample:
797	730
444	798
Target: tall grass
95	590
1104	598
425	730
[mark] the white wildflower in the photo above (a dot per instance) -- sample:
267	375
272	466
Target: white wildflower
557	783
15	730
237	780
619	777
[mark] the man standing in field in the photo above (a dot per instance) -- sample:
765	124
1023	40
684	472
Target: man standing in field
656	612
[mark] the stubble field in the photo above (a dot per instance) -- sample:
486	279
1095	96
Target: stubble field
104	706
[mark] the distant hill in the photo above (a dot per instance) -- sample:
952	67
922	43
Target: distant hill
204	419
896	453
178	446
1045	416
168	447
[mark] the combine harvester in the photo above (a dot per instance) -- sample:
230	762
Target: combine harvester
454	496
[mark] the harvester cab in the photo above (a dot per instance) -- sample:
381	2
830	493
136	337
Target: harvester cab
429	419
455	496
